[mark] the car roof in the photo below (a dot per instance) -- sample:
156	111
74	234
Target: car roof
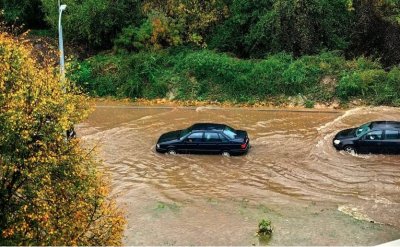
385	125
208	126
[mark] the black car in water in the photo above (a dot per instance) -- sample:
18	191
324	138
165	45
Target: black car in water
204	138
373	137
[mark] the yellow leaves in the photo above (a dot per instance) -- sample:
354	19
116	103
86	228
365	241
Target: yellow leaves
7	233
181	7
25	134
45	218
61	189
349	5
78	215
183	21
159	30
103	190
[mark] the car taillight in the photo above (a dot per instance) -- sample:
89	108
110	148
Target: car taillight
243	146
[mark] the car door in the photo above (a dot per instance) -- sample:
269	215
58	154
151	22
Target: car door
371	142
192	142
225	144
391	142
211	142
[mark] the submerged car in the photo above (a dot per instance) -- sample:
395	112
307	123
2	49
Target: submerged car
373	137
205	138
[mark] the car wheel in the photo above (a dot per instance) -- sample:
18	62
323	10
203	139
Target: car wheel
171	152
226	154
349	149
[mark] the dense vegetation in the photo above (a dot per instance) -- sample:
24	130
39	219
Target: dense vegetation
237	50
206	75
51	192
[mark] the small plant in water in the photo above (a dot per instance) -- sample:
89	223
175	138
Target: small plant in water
264	228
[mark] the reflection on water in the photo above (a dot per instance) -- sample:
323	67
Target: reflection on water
291	162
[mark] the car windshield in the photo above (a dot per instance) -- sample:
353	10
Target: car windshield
363	129
185	132
231	133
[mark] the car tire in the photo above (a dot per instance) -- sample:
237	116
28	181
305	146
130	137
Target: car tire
349	149
226	154
171	152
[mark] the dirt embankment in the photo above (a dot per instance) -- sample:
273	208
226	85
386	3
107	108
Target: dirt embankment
290	103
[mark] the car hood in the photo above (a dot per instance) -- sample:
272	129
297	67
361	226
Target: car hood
347	133
170	136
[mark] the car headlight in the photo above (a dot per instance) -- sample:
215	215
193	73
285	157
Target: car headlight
158	145
337	142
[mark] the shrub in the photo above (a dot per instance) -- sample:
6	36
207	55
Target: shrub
51	192
264	227
309	104
207	75
365	84
134	38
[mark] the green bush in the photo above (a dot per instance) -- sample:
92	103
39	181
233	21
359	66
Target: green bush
366	84
206	75
264	227
134	38
122	76
309	104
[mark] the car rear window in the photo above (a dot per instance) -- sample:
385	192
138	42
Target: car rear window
230	132
391	134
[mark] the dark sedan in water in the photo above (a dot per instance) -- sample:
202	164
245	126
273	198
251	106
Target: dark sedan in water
205	138
373	137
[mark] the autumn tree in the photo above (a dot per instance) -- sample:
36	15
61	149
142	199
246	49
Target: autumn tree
51	191
172	23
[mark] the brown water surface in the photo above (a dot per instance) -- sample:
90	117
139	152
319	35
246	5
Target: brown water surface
292	175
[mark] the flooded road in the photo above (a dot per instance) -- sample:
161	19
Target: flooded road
292	175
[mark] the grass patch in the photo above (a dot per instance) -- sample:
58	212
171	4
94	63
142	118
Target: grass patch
163	206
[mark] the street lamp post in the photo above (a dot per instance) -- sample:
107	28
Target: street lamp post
61	8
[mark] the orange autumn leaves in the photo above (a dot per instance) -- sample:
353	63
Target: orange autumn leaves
51	192
176	22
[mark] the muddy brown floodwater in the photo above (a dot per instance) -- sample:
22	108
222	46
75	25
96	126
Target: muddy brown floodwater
292	175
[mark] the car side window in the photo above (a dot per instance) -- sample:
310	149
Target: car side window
195	137
223	138
211	137
391	134
374	135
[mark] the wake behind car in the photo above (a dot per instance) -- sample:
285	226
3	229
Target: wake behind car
373	137
204	138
